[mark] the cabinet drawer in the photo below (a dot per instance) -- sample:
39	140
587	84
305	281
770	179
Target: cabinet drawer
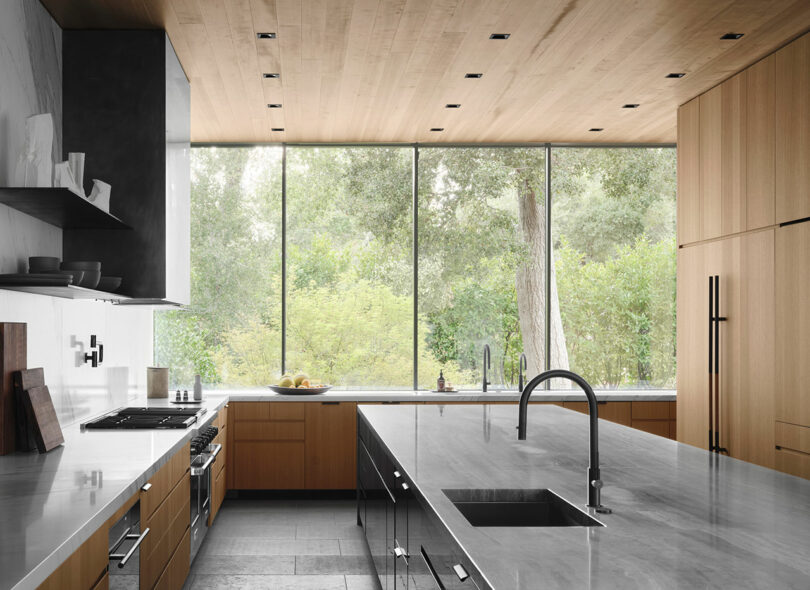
659	427
164	516
618	412
793	437
651	411
219	464
164	481
269	465
258	411
176	572
269	431
163	539
84	567
217	496
221	421
103	583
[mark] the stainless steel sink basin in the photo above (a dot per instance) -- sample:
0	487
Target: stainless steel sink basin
517	508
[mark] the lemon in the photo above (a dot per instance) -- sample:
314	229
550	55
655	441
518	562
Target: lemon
286	382
299	378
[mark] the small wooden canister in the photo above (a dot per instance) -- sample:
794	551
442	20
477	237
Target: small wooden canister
157	382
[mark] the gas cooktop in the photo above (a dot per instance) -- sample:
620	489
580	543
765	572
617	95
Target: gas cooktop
131	418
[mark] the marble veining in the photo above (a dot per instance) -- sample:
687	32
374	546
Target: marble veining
683	518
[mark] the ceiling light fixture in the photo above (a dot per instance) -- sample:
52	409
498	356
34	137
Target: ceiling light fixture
452	106
265	35
732	36
631	106
437	128
676	75
277	129
596	129
271	75
499	35
273	105
473	75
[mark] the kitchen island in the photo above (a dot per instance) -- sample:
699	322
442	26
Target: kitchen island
682	517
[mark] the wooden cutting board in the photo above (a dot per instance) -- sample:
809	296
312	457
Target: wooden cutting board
40	410
23	381
13	353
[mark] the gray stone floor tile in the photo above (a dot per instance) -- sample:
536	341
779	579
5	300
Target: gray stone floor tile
268	531
353	546
246	546
328	531
363	583
333	564
244	564
269	583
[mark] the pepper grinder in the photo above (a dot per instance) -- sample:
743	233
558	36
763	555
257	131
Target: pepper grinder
197	388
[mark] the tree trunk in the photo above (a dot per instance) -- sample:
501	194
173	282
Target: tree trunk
531	290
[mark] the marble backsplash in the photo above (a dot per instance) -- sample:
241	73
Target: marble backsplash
58	329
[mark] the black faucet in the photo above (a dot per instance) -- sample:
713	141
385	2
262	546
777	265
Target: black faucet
486	366
594	481
523	364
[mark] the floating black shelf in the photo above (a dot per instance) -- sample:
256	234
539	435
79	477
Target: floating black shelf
67	292
59	207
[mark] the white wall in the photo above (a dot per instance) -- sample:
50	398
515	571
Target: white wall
58	329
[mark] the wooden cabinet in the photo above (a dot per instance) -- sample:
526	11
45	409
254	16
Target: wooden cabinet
792	172
793	449
165	510
85	569
688	203
176	572
331	446
760	142
219	471
793	324
745	267
618	412
294	445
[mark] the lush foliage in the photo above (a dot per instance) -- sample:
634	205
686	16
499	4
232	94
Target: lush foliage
350	265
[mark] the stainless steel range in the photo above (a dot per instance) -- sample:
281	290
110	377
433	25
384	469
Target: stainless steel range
141	418
203	456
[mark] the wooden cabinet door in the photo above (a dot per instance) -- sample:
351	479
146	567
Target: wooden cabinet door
688	202
760	142
751	432
722	159
792	174
331	446
269	465
793	324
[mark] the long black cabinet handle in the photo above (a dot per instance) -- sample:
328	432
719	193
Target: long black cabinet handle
714	365
431	569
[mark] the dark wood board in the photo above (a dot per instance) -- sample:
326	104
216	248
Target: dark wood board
41	412
13	358
23	381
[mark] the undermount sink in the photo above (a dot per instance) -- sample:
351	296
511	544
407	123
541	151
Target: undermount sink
517	508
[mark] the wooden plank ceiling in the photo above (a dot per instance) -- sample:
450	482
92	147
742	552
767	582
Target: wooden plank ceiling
383	70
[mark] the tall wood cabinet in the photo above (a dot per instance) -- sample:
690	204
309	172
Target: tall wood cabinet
744	192
745	267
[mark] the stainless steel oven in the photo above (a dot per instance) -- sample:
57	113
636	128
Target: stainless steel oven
203	456
125	539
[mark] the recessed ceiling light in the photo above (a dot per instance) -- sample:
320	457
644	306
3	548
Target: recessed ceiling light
732	36
277	129
437	128
596	129
452	106
499	36
676	75
273	105
631	106
265	35
271	75
473	75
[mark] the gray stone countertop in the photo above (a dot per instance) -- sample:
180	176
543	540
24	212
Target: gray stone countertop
682	517
51	503
359	395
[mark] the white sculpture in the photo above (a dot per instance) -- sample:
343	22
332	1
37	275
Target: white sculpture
100	195
63	178
35	166
76	160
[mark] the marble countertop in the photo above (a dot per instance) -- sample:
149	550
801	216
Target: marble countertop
682	517
51	503
359	395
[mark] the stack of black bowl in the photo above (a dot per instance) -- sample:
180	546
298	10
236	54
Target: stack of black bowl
49	265
90	269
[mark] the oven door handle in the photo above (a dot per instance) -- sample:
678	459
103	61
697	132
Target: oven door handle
198	471
124	558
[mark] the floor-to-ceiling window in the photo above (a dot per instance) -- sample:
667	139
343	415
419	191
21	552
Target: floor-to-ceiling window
595	296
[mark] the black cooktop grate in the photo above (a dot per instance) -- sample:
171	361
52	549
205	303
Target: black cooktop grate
142	418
